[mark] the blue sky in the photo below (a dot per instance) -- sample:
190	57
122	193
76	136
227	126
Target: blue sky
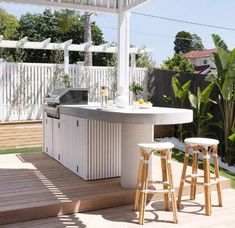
159	34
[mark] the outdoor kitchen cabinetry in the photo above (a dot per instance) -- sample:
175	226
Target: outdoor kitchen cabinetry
89	148
53	137
75	151
92	148
58	139
47	135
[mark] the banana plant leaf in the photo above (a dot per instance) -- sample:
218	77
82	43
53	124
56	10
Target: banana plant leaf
205	94
180	91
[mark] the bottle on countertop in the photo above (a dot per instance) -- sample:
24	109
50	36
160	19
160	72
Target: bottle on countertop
104	96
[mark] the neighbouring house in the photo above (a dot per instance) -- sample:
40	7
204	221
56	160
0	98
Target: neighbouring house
202	60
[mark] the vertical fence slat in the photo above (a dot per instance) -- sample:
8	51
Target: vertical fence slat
39	80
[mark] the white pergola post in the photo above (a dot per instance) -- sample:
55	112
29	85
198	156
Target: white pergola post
133	60
123	52
66	61
66	45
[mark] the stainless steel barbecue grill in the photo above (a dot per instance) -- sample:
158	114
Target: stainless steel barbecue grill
64	96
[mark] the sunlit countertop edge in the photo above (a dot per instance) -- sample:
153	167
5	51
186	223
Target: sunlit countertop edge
129	115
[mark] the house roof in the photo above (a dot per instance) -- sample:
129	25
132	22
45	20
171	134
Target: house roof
200	54
202	69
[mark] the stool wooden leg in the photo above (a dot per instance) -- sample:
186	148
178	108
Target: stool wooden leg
139	181
186	158
172	189
216	166
207	187
194	172
143	195
164	179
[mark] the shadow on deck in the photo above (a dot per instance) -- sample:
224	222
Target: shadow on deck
35	186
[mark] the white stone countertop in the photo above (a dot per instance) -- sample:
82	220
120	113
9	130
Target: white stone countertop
130	115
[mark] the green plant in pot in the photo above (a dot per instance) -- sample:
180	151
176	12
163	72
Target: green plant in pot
67	81
136	89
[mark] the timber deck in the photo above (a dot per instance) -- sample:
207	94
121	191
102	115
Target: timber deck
35	186
191	215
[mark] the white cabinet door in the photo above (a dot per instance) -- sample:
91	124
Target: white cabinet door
75	145
69	126
47	136
58	139
81	154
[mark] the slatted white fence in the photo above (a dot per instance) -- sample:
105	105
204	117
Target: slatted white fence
24	85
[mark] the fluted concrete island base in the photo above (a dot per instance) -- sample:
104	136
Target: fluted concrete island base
132	135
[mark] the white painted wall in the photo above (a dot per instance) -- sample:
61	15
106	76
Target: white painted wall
200	62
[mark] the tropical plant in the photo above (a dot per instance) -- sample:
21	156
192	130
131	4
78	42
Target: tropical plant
232	138
180	91
225	81
180	94
202	117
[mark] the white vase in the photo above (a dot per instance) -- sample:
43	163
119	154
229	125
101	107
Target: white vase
122	101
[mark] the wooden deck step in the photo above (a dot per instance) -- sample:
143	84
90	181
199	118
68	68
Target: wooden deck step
35	186
190	215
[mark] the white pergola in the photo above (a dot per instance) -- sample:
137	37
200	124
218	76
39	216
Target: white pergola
121	8
68	46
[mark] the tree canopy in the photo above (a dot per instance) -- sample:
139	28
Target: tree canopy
9	25
197	44
185	42
60	26
178	63
145	60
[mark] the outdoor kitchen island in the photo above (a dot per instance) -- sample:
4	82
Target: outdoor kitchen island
100	143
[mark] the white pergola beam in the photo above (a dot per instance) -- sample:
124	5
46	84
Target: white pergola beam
66	5
105	46
46	45
22	42
67	43
134	4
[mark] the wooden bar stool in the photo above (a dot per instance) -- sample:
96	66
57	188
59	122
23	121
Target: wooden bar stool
142	189
204	146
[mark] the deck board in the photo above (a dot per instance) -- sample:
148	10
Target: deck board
190	215
35	186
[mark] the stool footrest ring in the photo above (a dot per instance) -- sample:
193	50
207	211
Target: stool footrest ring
214	180
150	191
